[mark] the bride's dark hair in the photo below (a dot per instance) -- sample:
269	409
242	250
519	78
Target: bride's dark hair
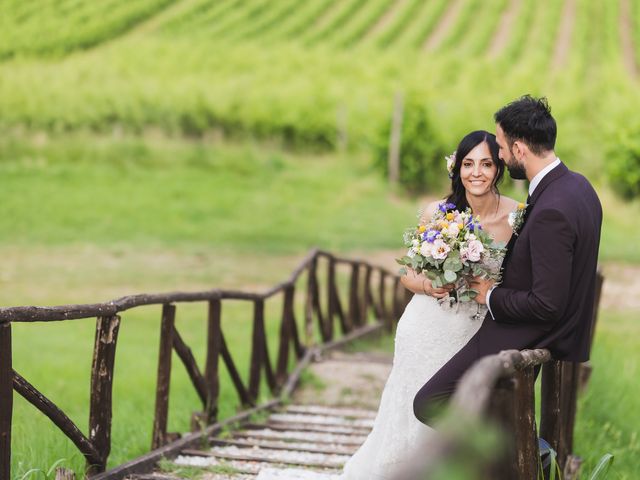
458	195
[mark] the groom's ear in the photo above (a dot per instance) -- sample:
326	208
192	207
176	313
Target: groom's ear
519	149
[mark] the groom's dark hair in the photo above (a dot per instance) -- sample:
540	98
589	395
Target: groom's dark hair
528	119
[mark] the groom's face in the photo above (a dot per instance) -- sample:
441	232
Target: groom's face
516	167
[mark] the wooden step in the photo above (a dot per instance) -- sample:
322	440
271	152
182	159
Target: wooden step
298	446
288	435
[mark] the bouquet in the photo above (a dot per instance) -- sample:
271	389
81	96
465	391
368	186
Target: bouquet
450	249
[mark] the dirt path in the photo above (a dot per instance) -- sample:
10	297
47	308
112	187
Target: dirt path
434	40
385	20
563	41
503	33
626	38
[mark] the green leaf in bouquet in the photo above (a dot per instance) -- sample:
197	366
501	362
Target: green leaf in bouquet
453	264
450	276
406	260
464	297
402	271
431	274
472	294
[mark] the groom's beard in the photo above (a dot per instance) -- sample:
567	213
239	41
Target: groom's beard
517	170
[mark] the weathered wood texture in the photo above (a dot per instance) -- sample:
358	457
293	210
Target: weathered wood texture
369	290
6	400
100	410
167	327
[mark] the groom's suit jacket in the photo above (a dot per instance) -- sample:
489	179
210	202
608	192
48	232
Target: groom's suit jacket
549	275
546	296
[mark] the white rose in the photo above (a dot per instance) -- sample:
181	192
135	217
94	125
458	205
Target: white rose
511	219
474	250
453	230
440	250
426	249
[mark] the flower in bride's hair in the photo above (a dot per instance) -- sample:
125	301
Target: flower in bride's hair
451	161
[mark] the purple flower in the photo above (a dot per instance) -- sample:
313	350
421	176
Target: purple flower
445	207
430	236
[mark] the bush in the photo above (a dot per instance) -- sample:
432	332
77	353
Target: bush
422	164
624	164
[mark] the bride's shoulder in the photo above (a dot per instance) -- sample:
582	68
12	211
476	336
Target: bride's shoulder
508	204
429	210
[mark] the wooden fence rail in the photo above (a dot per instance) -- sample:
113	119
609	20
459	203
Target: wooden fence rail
371	290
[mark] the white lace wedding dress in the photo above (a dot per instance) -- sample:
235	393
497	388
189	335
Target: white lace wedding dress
428	335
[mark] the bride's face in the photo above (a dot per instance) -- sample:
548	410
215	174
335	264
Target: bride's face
477	171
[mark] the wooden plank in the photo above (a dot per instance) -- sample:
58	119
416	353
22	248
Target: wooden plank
256	457
366	297
149	460
281	445
100	410
165	351
6	399
57	416
355	442
214	347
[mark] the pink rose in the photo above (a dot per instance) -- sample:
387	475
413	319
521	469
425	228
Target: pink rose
474	250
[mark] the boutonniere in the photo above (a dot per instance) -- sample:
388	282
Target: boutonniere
516	218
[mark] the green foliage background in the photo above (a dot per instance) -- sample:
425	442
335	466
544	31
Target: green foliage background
232	135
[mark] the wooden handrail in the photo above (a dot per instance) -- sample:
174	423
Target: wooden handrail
362	306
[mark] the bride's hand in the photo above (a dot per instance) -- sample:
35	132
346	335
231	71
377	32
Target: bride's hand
422	285
434	292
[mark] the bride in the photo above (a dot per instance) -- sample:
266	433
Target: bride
428	335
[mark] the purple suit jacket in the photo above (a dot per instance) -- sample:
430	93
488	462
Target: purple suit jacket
549	274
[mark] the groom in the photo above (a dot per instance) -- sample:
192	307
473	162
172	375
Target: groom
546	296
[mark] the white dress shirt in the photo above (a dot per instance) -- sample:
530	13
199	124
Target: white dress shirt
535	181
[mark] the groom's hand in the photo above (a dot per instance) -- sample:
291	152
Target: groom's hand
482	286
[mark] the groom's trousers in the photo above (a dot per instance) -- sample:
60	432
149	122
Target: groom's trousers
490	339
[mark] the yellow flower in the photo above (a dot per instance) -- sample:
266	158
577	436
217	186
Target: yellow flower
521	206
422	228
460	225
449	216
443	225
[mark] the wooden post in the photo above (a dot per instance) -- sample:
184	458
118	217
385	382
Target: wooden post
324	327
159	435
367	297
354	302
308	307
286	331
6	399
526	436
396	139
100	411
385	315
334	298
211	373
257	352
553	420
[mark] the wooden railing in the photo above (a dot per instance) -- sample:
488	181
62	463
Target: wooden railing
373	293
500	389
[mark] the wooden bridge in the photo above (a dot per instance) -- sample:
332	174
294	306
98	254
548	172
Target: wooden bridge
290	440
